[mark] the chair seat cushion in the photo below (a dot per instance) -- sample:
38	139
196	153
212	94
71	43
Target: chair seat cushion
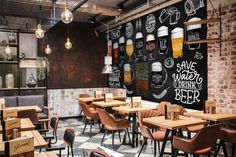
202	151
42	115
159	135
195	128
228	135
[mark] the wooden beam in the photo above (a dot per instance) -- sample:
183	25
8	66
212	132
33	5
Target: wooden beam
96	9
45	3
139	12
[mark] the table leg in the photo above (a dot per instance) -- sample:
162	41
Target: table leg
172	148
164	143
133	129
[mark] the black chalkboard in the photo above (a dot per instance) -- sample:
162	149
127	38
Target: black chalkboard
154	70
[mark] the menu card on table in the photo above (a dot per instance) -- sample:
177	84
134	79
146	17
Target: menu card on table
172	112
22	146
98	94
136	101
210	106
108	97
11	129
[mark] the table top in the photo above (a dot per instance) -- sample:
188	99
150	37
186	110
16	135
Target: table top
91	99
104	104
128	109
39	141
220	116
20	108
46	154
26	125
183	122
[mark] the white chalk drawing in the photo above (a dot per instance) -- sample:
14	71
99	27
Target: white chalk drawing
161	95
191	6
115	34
187	83
169	62
150	23
129	30
172	14
138	25
164	76
139	44
129	92
114	78
198	55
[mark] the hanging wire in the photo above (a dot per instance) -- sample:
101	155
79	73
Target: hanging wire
68	30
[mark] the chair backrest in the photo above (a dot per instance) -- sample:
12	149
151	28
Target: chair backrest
206	137
84	95
85	109
147	114
106	119
98	153
69	136
54	123
161	108
29	113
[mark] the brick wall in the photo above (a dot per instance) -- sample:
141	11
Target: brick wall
222	61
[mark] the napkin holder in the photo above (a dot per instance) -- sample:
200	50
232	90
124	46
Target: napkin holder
172	112
108	97
98	94
136	101
11	129
210	107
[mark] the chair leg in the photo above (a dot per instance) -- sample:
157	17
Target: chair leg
158	145
72	152
103	137
68	151
233	147
119	135
155	148
189	134
85	125
217	149
224	149
145	140
113	133
128	135
91	123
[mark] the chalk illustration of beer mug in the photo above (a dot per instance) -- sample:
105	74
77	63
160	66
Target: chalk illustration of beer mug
164	15
129	48
115	50
162	34
150	45
194	33
127	74
122	47
157	74
191	6
177	39
174	15
109	48
139	42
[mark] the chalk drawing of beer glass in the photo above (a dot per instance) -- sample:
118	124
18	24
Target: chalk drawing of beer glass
162	34
129	49
164	15
177	39
139	43
191	6
174	15
194	33
150	45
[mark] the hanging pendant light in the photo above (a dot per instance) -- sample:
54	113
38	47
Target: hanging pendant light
48	49
39	33
7	50
66	15
68	44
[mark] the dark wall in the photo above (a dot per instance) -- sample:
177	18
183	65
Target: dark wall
80	66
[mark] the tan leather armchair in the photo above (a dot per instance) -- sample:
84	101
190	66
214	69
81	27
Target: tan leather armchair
202	143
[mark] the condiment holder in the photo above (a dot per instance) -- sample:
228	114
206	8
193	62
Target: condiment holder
136	101
97	94
108	97
210	107
172	111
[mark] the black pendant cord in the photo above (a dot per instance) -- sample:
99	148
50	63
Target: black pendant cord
40	14
68	33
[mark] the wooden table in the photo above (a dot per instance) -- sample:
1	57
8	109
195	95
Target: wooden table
104	104
172	126
220	116
39	141
46	154
20	108
91	99
133	112
26	125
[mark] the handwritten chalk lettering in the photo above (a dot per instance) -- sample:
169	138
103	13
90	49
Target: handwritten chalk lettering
150	23
187	82
129	30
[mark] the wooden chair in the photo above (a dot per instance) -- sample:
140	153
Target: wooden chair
83	95
201	144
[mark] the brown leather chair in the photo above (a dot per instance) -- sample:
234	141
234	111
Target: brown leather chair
98	153
68	137
202	143
83	95
112	124
157	136
91	115
226	135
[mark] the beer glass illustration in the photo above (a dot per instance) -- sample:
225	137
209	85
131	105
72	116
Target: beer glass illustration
177	39
191	6
157	74
109	48
194	33
164	15
162	34
139	43
129	48
115	50
150	45
174	15
122	47
127	74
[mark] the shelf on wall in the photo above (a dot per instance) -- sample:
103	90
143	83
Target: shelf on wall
9	62
203	21
203	41
29	63
32	88
8	89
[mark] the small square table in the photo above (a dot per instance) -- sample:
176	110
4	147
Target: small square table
104	104
20	108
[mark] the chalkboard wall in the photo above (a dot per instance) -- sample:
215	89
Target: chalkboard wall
151	60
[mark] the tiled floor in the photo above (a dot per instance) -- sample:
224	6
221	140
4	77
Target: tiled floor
83	144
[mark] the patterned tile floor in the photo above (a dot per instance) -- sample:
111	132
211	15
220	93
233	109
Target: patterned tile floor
83	144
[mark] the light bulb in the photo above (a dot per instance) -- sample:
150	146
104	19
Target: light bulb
68	44
66	16
39	33
7	50
48	49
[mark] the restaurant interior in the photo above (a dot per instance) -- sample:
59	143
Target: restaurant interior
117	78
